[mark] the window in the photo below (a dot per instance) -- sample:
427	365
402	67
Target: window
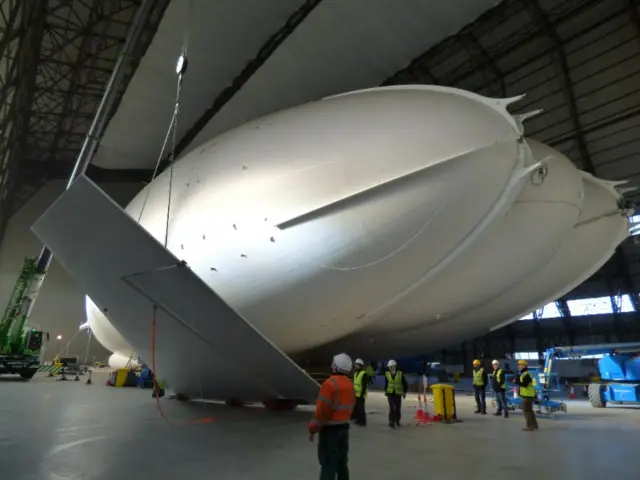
527	356
590	306
634	225
550	310
623	302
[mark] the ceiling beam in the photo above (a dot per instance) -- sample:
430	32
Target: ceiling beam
100	175
33	24
265	52
559	58
565	311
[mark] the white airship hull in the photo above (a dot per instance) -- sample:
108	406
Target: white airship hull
382	221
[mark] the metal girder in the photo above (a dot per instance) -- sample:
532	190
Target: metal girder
537	330
18	92
634	5
416	70
503	50
265	52
565	311
564	76
81	42
619	261
482	58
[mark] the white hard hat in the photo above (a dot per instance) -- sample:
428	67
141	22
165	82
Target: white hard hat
391	363
342	363
495	362
359	361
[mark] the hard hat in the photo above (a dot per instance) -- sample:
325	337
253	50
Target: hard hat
342	363
476	362
391	363
495	362
522	362
359	361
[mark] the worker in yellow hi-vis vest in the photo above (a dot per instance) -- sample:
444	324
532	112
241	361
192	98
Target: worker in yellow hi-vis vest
395	387
527	393
360	386
499	383
480	387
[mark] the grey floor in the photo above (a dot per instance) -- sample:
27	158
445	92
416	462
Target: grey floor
70	431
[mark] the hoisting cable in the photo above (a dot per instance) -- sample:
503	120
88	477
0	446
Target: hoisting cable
181	69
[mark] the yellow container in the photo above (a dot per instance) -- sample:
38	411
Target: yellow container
121	376
443	400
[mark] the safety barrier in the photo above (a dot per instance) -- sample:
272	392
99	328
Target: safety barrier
49	369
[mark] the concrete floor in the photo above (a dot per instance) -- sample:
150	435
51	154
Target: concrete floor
70	431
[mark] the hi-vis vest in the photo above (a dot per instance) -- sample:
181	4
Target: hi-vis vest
370	371
335	403
394	384
529	391
357	383
478	377
496	374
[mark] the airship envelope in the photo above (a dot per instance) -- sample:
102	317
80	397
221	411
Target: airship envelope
380	222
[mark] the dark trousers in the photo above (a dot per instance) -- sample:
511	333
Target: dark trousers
481	398
501	402
395	405
333	452
527	409
359	413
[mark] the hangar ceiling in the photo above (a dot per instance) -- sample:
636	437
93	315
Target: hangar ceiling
577	59
55	59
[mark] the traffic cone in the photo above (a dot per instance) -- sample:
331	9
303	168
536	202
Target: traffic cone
420	411
572	393
426	416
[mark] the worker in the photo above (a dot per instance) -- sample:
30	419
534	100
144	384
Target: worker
527	392
360	383
479	387
500	387
395	387
331	419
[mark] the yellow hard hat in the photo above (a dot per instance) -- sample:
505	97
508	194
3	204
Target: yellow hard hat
522	362
476	363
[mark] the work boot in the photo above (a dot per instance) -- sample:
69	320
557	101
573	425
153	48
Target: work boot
484	412
477	411
527	429
398	423
392	425
498	413
506	415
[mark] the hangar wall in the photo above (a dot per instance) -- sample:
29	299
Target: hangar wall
60	306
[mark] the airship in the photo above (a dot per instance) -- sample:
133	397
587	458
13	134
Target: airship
382	222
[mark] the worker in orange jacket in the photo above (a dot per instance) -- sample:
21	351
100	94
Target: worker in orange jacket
331	420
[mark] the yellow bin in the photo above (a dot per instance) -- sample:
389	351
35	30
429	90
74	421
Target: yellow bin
443	400
121	376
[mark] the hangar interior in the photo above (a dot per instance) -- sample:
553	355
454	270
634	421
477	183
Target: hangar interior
578	60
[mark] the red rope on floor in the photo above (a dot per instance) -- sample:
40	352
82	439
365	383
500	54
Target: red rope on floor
156	389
